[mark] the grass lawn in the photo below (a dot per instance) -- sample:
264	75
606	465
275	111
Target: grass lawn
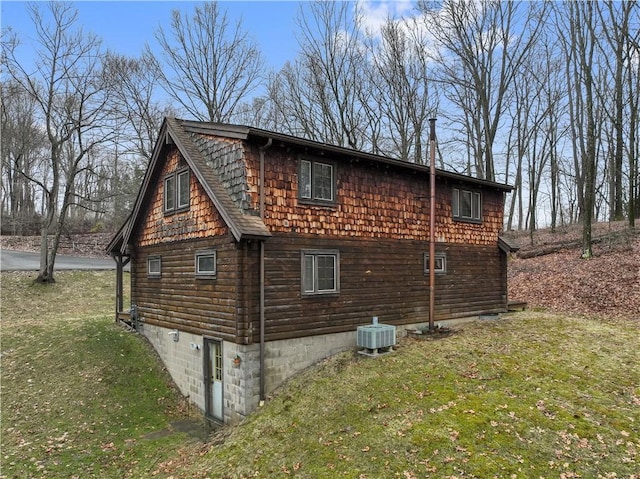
533	395
79	393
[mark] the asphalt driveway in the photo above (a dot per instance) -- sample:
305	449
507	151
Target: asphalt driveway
25	261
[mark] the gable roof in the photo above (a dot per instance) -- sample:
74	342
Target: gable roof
244	225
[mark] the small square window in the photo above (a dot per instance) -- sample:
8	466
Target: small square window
320	272
206	263
154	266
440	261
316	181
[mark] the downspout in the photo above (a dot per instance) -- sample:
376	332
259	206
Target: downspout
119	284
262	149
432	224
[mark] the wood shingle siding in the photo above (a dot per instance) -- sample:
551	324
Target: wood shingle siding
372	202
201	220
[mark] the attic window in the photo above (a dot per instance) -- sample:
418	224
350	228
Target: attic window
316	181
466	205
176	191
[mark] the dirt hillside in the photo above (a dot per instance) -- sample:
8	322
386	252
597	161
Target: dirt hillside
549	273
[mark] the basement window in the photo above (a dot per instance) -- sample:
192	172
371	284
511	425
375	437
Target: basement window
154	266
440	263
320	272
466	205
206	264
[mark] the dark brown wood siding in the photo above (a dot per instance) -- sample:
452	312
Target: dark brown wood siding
383	278
177	299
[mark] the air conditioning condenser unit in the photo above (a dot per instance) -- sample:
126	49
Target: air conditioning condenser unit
376	338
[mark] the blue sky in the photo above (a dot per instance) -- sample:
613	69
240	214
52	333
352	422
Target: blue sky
125	26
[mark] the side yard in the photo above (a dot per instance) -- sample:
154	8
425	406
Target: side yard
532	395
80	395
606	285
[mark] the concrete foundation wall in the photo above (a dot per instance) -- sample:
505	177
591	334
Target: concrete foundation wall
241	364
182	360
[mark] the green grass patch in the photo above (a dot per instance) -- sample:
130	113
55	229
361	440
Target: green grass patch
79	393
526	397
532	395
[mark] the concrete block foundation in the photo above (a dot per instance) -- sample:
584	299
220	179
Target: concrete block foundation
184	359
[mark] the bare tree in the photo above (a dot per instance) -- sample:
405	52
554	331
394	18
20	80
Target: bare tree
209	66
133	104
320	95
577	31
482	47
615	53
633	88
70	91
138	117
403	96
21	151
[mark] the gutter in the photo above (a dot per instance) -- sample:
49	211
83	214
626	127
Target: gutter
262	149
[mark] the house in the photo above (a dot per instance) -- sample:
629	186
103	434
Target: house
255	254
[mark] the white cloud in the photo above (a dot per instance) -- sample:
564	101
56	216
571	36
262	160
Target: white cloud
376	13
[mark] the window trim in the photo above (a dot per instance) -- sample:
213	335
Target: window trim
315	253
206	274
179	174
166	197
154	274
438	270
174	177
311	198
476	206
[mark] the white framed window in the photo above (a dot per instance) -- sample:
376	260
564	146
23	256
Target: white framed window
320	271
466	205
154	266
176	191
316	181
170	193
206	263
183	189
440	263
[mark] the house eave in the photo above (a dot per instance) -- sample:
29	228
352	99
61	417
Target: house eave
507	245
248	133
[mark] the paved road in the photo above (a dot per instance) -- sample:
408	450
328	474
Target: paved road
23	261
